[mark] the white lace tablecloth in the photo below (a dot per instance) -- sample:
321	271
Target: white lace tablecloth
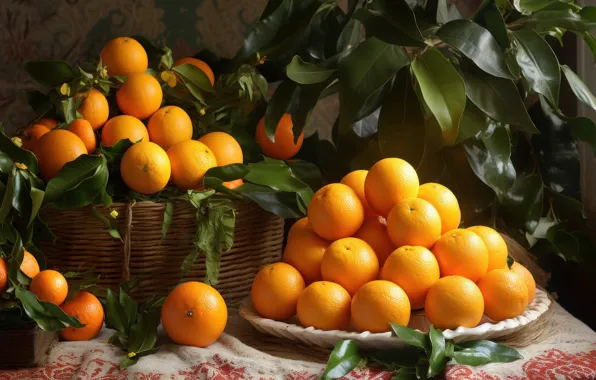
567	351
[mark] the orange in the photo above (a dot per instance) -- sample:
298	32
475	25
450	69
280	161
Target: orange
140	95
194	314
495	245
300	226
349	262
335	212
356	181
233	184
123	127
124	55
88	310
169	126
414	221
57	148
94	108
197	63
3	276
145	168
225	148
525	274
324	306
49	286
29	265
454	301
48	122
389	181
463	253
190	160
444	201
32	135
82	128
304	252
505	294
374	232
284	147
414	269
378	303
275	291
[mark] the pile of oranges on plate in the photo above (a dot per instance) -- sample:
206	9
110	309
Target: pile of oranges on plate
376	246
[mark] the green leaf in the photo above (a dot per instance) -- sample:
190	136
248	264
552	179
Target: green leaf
307	172
539	64
564	243
193	77
70	108
411	336
578	87
377	25
443	90
584	129
524	201
476	43
499	99
6	206
168	214
126	362
590	42
492	162
479	352
278	106
545	20
48	316
401	115
308	97
109	222
343	359
282	204
37	196
306	72
399	13
21	200
437	356
372	64
447	12
393	358
115	312
87	192
15	260
114	153
50	73
529	6
143	335
39	101
496	25
17	154
72	175
473	123
129	308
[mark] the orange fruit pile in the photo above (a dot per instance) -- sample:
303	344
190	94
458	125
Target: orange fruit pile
379	244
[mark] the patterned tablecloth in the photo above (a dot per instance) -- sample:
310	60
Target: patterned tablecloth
566	351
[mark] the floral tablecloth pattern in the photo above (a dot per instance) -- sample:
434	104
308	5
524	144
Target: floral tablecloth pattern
566	351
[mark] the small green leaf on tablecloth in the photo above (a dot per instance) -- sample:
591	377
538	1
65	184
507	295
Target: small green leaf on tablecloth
343	359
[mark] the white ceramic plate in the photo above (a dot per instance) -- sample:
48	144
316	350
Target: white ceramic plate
485	330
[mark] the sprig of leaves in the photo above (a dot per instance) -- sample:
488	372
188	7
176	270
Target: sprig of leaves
425	356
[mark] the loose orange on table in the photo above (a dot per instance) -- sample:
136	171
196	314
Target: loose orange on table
463	253
304	252
525	274
94	108
145	168
123	127
505	294
356	181
444	201
389	181
124	55
414	221
55	149
325	306
3	276
48	122
140	95
29	265
349	262
415	270
374	232
454	301
284	147
83	129
32	135
225	148
194	314
190	160
335	212
88	310
169	126
495	245
275	291
377	303
49	286
197	63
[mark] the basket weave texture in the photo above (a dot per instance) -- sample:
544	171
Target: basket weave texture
82	242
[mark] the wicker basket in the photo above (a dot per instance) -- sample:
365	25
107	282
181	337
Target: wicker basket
83	242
